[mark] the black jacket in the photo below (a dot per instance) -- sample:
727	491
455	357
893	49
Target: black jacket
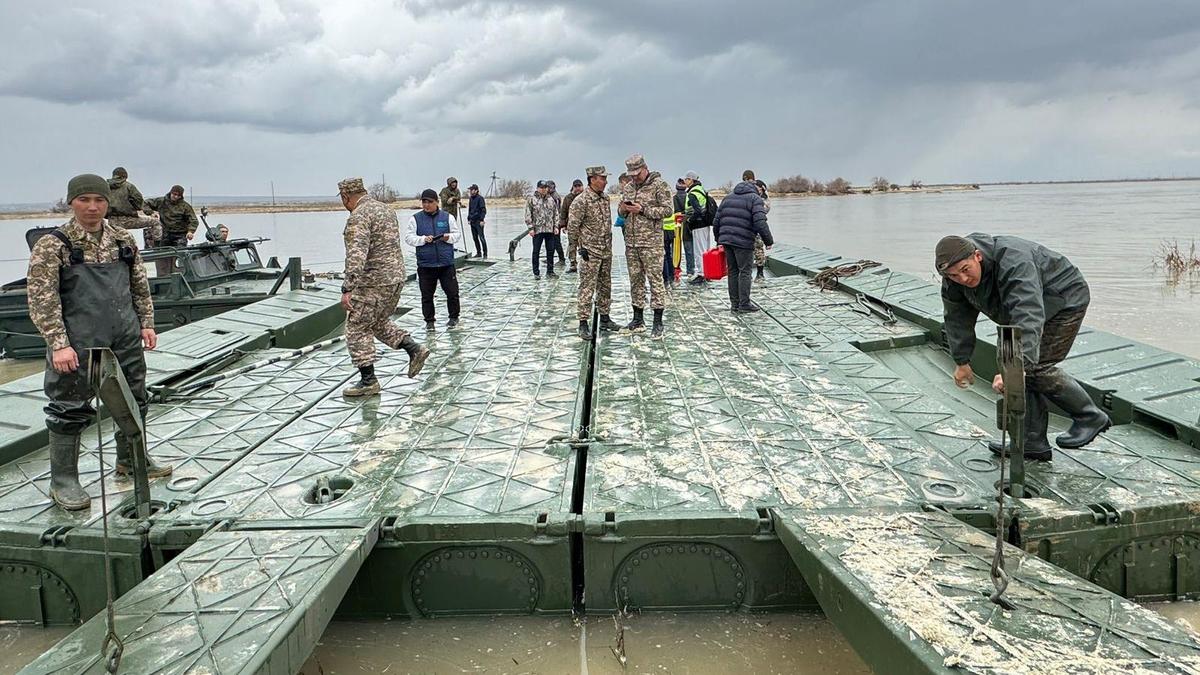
476	209
1022	283
740	216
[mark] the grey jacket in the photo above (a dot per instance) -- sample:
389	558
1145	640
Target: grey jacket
1023	283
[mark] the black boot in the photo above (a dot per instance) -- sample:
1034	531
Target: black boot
417	353
656	333
759	276
585	331
637	325
65	489
1037	419
1087	419
367	384
607	324
125	460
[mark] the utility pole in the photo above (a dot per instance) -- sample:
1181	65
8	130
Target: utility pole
492	187
272	194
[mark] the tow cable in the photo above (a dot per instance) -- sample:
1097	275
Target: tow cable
112	661
1010	411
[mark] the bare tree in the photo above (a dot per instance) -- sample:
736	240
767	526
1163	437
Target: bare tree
880	184
914	184
838	186
513	188
818	187
383	193
60	206
791	185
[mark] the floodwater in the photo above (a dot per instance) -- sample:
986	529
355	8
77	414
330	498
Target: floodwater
1111	231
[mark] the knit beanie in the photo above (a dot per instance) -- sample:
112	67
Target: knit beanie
950	250
87	183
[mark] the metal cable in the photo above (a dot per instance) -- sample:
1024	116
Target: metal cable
112	661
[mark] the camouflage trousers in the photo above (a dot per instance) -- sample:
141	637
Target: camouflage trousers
152	233
595	280
1058	334
760	252
370	310
645	267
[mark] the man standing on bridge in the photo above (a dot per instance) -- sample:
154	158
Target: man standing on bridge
1014	281
88	288
590	218
645	201
374	278
179	221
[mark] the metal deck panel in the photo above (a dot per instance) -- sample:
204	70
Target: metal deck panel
235	602
910	593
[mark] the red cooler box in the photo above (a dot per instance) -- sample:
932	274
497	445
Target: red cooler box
713	263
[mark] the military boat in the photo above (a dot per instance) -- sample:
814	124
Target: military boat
815	455
187	283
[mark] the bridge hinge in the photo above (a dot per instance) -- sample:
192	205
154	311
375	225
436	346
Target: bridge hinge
1104	513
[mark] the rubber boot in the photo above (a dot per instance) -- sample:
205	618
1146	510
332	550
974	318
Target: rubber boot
125	460
1037	420
1087	419
65	489
637	325
759	275
417	354
656	333
367	384
607	324
585	331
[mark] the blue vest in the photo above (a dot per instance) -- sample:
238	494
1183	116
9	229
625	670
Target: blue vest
439	253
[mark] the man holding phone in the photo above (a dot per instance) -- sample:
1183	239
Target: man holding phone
433	233
645	201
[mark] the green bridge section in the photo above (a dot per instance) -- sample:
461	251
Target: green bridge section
747	462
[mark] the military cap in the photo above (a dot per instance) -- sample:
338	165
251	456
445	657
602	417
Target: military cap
576	183
596	171
543	183
473	187
350	186
429	194
950	250
634	164
86	184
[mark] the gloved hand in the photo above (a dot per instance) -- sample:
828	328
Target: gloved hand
583	253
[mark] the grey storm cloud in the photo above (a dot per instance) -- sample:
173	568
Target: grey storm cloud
940	89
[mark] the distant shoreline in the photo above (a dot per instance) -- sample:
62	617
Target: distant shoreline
414	204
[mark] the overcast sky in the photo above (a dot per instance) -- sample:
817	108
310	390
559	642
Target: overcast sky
225	96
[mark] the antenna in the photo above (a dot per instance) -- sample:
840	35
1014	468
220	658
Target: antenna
492	188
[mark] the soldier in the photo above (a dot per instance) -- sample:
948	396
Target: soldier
645	202
125	207
179	221
590	218
450	197
1016	281
88	288
374	278
565	225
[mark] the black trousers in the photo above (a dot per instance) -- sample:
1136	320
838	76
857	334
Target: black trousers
740	263
540	239
562	258
428	279
480	240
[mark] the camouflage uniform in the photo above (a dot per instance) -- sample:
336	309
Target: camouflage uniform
49	255
178	219
124	204
644	238
760	249
374	278
590	216
450	198
564	224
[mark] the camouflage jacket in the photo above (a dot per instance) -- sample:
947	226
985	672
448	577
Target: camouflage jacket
645	229
124	199
541	214
565	210
373	253
49	255
177	218
450	200
591	217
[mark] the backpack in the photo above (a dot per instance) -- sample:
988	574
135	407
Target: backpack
710	211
